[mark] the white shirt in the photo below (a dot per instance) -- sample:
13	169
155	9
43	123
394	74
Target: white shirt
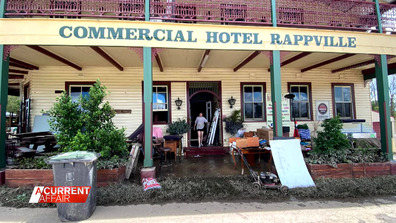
200	121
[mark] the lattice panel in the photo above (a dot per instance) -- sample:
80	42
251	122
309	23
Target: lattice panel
327	13
333	14
237	11
131	9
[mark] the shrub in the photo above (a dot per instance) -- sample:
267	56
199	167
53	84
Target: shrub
302	126
331	139
37	162
87	125
178	127
234	122
331	146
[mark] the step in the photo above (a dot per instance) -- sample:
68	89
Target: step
206	151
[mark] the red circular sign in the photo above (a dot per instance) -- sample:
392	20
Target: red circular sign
322	108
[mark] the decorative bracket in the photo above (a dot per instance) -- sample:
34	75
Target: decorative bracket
8	49
154	52
283	55
377	58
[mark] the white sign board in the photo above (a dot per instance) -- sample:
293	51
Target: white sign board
322	110
289	163
285	110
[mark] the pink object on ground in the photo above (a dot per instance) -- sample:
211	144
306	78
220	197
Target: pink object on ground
150	183
157	132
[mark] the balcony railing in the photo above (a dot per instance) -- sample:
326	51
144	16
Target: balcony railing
328	14
121	9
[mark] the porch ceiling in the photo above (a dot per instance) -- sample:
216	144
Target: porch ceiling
176	58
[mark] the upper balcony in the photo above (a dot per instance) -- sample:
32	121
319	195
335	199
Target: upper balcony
326	14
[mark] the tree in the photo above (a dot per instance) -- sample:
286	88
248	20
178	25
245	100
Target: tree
87	125
13	106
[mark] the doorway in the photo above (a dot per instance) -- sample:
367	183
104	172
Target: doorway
203	98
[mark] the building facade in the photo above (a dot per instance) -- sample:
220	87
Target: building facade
150	54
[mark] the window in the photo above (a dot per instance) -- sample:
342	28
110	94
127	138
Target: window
76	90
343	98
301	107
253	102
160	104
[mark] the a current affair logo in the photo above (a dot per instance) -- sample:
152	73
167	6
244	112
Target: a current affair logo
52	194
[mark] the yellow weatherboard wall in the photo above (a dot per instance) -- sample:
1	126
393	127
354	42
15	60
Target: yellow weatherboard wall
126	89
190	36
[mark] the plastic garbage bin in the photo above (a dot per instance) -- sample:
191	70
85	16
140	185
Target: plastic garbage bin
75	169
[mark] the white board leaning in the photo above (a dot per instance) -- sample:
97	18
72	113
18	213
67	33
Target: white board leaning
289	163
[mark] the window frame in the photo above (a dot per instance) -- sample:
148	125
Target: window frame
167	98
352	86
309	84
242	96
159	83
69	84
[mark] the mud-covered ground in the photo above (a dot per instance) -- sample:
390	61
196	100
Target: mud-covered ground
220	189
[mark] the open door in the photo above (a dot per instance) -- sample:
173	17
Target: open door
208	114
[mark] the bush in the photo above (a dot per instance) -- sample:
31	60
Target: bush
331	146
234	122
37	162
331	139
178	127
302	126
87	125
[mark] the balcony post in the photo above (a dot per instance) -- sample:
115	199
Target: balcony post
276	86
148	97
4	65
381	73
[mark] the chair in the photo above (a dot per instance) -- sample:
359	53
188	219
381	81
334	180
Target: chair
163	151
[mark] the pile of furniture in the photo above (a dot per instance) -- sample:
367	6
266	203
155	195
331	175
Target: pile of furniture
249	145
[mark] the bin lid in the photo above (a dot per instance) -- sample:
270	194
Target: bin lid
76	156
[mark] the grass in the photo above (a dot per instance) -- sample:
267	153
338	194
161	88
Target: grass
233	188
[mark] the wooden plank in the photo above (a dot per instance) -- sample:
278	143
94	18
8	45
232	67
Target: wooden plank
15	76
55	57
123	111
206	54
247	60
25	174
23	64
342	171
102	184
342	57
107	178
107	57
28	182
108	171
159	62
18	71
393	168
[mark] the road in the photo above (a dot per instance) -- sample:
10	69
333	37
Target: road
359	211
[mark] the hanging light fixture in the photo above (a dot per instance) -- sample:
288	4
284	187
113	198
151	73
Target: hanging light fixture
178	103
231	101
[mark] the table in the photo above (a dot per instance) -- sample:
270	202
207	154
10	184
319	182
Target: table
177	138
37	138
252	151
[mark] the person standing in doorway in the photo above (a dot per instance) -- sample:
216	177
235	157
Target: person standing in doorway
199	126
